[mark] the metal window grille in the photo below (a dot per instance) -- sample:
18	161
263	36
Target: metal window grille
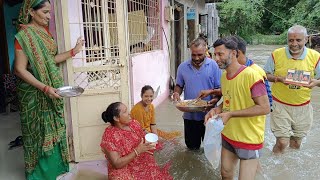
144	25
98	23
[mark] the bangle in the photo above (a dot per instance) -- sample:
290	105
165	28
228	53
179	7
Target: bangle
136	152
72	53
46	89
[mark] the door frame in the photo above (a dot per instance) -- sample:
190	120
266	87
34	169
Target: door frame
4	46
71	104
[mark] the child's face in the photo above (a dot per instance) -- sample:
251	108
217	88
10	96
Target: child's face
147	96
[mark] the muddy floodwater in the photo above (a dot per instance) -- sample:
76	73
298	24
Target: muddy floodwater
303	164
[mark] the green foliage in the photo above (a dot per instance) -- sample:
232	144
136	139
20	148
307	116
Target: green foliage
268	39
307	13
239	16
276	16
258	20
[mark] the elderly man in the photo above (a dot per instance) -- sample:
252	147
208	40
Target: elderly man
194	75
292	114
245	103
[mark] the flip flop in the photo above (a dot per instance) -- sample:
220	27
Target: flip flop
16	143
19	138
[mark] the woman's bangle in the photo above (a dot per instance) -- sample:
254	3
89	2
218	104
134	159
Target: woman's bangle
136	152
72	53
46	89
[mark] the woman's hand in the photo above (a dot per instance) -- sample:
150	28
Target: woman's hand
52	93
79	45
144	147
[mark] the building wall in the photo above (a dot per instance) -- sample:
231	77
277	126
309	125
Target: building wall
11	14
199	6
152	68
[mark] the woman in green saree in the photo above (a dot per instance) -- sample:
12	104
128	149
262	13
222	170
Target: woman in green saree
41	109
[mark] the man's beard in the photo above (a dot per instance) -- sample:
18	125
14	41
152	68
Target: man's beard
226	63
296	51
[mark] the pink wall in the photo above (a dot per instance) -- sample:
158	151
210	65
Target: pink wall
152	68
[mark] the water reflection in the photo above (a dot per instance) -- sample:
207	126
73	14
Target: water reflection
293	165
300	164
186	164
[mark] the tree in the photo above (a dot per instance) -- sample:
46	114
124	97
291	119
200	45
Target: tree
276	17
307	13
241	17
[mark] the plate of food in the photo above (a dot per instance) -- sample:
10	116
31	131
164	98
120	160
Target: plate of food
70	91
193	105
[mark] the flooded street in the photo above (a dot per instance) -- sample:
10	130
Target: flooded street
293	165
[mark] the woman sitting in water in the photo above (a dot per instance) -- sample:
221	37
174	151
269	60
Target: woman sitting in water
122	142
144	112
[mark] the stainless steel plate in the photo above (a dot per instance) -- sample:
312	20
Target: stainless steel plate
191	108
70	91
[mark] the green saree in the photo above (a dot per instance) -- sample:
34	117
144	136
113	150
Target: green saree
42	120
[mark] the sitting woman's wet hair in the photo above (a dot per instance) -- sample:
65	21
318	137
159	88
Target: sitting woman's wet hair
146	88
111	112
40	5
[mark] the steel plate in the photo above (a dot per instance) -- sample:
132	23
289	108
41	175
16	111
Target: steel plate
192	108
70	91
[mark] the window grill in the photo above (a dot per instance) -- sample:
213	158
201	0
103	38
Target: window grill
98	23
144	25
98	66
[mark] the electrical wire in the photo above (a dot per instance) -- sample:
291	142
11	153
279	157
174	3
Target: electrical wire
285	20
166	41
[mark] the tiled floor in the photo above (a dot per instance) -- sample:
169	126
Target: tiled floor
11	161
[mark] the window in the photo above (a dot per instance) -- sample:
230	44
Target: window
144	25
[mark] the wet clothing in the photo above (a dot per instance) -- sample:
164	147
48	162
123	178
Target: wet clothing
146	118
243	154
193	81
291	121
293	105
242	132
194	133
123	141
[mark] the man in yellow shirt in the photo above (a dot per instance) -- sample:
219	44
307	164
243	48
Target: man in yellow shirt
245	104
292	114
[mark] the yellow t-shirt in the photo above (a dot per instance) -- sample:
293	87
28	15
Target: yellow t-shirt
289	94
237	96
145	118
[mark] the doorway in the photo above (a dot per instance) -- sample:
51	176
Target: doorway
178	35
